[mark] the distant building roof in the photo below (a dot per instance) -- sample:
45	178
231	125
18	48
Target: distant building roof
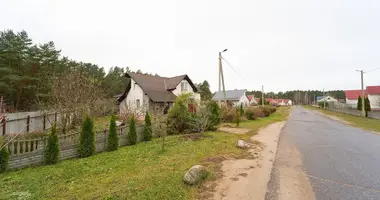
157	88
320	97
233	95
354	94
373	90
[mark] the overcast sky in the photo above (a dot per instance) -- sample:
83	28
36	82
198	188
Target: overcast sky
283	45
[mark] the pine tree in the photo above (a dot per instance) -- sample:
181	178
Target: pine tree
113	140
52	149
87	138
132	135
241	110
359	106
367	106
147	132
4	157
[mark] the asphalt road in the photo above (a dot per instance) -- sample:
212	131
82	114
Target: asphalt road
340	161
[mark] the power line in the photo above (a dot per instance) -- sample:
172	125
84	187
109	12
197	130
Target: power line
232	67
372	70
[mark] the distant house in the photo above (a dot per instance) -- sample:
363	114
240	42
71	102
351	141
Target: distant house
154	93
236	97
328	99
252	99
373	93
284	102
352	97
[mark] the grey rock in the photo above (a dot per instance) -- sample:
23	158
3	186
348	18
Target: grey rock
195	174
242	144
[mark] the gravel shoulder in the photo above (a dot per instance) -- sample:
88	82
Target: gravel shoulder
248	178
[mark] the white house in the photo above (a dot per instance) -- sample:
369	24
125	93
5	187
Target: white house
154	93
373	93
252	99
236	97
284	102
352	97
328	99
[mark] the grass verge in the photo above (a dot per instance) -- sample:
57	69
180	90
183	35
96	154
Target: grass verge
142	171
362	122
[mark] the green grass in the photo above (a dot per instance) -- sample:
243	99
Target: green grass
142	171
362	122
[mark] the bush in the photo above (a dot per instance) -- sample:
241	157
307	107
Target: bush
179	119
251	113
213	111
87	138
51	155
241	110
267	111
321	104
147	132
132	135
4	157
228	114
113	138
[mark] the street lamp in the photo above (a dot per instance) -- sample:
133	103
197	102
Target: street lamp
221	77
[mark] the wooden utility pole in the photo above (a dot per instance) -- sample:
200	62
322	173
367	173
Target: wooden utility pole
221	79
363	95
262	96
324	99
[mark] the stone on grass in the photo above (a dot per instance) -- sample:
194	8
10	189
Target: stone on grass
195	174
242	144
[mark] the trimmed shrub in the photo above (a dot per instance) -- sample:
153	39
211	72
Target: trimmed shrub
51	155
132	135
267	111
228	113
113	138
251	113
87	138
213	114
4	157
147	132
179	119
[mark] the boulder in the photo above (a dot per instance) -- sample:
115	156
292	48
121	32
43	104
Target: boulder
195	174
242	144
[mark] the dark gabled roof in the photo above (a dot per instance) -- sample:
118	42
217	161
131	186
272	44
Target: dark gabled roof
157	88
233	95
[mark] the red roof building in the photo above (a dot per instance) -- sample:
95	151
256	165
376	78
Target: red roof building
354	94
373	90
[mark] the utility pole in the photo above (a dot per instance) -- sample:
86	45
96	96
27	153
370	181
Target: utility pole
363	96
262	96
324	99
315	102
221	78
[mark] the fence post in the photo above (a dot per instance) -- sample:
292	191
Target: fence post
44	121
27	123
4	123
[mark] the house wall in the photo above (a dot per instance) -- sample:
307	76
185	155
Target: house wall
374	100
177	91
244	99
134	94
352	102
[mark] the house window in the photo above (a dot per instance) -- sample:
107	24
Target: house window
183	86
138	103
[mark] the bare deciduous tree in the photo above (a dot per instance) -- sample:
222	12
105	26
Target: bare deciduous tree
75	94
